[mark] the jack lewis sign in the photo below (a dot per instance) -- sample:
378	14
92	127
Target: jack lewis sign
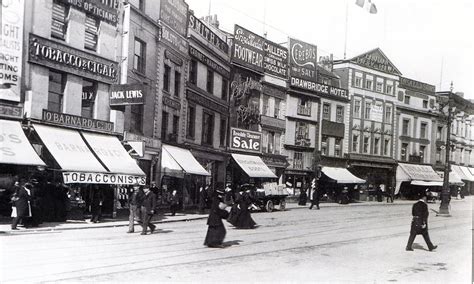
127	94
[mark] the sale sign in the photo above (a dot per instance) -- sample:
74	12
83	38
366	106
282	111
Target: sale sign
245	140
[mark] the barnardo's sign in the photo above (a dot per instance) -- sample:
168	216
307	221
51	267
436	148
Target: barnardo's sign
248	49
102	178
302	60
198	26
77	121
245	140
54	55
127	94
174	13
275	61
101	9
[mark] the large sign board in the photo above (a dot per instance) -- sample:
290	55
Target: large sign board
10	111
275	61
77	121
206	33
106	11
303	64
102	178
174	13
11	49
127	94
416	85
174	40
245	140
209	62
248	49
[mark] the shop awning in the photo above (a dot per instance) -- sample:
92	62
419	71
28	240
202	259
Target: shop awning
112	154
454	178
253	166
341	175
462	172
69	149
169	166
427	183
469	176
15	147
174	157
411	172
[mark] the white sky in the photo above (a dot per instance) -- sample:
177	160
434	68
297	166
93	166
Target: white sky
427	40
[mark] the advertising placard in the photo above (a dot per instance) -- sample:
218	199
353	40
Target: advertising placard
127	94
248	49
376	112
174	40
102	178
302	61
275	61
416	85
245	140
206	33
174	13
11	49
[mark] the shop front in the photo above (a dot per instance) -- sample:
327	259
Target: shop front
338	183
413	179
249	169
467	178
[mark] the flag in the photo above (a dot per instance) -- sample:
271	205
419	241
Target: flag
368	5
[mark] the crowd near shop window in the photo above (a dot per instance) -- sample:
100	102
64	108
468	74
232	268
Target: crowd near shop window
368	84
405	127
425	103
59	20
190	123
207	128
324	145
89	89
439	133
386	147
403	152
368	107
225	91
326	111
139	56
277	108
57	83
193	67
338	147
366	144
423	127
438	155
136	118
422	153
265	109
388	114
355	143
376	145
222	132
177	83
388	89
210	81
357	108
166	78
358	80
91	33
298	160
340	114
164	125
406	100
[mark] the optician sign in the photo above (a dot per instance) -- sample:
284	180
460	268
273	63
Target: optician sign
245	140
127	94
248	49
102	178
103	10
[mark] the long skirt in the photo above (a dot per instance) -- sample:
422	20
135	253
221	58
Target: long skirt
215	235
244	220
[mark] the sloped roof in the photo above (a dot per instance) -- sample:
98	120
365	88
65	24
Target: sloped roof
374	59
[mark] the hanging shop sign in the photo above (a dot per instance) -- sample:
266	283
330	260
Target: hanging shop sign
275	60
11	49
416	85
10	111
248	49
209	62
245	140
127	94
75	121
102	178
55	55
174	40
174	13
149	142
106	11
303	64
207	34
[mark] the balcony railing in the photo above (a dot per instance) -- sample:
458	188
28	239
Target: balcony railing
303	110
298	164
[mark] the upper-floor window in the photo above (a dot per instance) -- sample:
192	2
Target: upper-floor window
59	21
425	103
136	119
190	122
139	56
303	107
302	134
379	87
366	144
57	83
175	124
207	128
404	152
423	127
388	114
92	33
376	145
439	133
358	80
193	67
355	143
338	147
277	108
368	107
324	145
177	83
89	91
368	84
422	153
277	143
210	81
388	89
298	160
386	146
405	127
340	114
222	132
164	125
357	108
326	111
166	78
265	109
406	100
224	89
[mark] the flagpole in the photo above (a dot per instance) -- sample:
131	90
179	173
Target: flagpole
345	31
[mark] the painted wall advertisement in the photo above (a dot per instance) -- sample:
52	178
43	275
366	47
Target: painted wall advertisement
376	113
248	49
127	94
206	33
303	60
174	13
245	140
275	61
11	48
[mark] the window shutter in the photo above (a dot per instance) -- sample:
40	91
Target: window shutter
91	34
58	27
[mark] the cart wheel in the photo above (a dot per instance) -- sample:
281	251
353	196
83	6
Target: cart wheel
269	207
282	205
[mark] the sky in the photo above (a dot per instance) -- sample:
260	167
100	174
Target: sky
431	41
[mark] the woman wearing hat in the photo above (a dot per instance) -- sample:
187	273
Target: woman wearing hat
216	231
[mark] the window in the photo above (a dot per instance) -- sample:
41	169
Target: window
207	128
368	84
136	118
366	144
210	81
358	80
265	105
326	111
164	125
438	155
405	127
357	108
193	67
389	89
190	123
298	160
425	104
403	152
338	147
379	87
224	89
271	142
423	127
340	114
324	145
376	145
407	100
302	134
386	147
303	107
388	114
439	133
277	143
177	83
222	132
89	90
91	33
166	78
139	56
175	124
59	20
355	143
57	83
277	108
422	153
368	106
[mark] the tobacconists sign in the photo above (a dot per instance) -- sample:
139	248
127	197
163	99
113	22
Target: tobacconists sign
127	94
54	55
302	60
245	140
248	49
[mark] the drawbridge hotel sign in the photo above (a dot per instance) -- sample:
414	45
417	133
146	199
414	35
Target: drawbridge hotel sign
302	61
248	49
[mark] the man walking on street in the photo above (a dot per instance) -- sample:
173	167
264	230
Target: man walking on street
135	199
315	195
148	209
419	224
390	194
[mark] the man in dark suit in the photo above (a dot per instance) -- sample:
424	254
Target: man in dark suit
21	199
419	224
148	209
134	203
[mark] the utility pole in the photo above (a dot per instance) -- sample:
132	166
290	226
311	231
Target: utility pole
446	193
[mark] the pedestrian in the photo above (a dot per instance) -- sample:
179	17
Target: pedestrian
315	198
97	198
174	202
21	199
379	193
229	195
36	203
202	200
419	224
344	196
135	199
303	197
148	209
389	194
243	219
216	231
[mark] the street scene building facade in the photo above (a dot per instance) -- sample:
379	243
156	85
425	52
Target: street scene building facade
147	92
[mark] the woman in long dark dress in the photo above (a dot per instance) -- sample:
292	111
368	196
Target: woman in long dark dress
244	219
216	230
